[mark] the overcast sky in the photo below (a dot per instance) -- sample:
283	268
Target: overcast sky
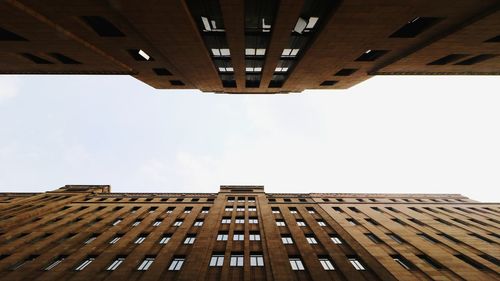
407	134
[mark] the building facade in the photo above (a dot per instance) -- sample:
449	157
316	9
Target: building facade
250	46
242	233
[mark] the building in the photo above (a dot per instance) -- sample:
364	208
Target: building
242	233
252	46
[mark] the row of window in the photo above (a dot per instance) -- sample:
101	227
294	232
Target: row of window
134	199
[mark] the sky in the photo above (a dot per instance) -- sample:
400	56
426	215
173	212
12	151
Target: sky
389	134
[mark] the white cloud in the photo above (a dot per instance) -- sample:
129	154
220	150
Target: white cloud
9	87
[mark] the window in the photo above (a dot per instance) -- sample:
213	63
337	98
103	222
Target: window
170	210
256	260
337	210
178	223
445	60
190	239
321	223
205	210
280	223
240	220
230	199
222	236
116	263
56	261
253	221
228	209
310	210
356	263
335	239
157	223
23	262
102	26
328	83
6	35
311	239
293	210
301	223
134	210
141	238
117	221
427	238
92	238
236	260
495	39
136	223
371	55
226	220
187	210
470	261
217	259
287	240
162	72
238	236
255	52
252	209
251	199
275	210
115	239
372	221
402	261
296	264
146	263
85	263
415	26
176	264
254	236
240	209
396	238
373	238
241	199
198	223
152	209
347	72
220	52
430	261
287	53
165	238
326	263
281	69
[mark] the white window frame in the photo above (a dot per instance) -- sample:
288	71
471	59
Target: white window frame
301	223
357	264
253	221
222	236
321	223
336	240
256	260
326	263
55	263
176	264
216	260
115	240
238	237
236	260
145	264
140	239
164	239
287	240
296	264
85	263
157	223
280	223
311	240
239	221
254	237
189	240
226	221
115	264
177	223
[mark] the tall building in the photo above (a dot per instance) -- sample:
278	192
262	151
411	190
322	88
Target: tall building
250	46
242	233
